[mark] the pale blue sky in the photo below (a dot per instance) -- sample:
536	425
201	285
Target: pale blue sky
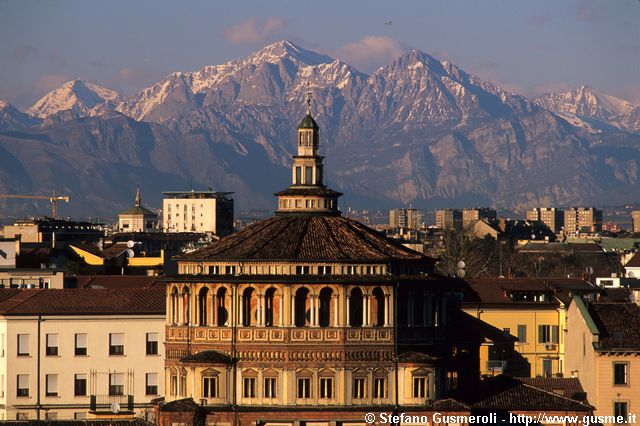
524	46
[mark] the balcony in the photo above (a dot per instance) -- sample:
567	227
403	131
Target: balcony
106	403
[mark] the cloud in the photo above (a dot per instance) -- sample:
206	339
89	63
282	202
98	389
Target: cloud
371	52
23	52
254	30
538	20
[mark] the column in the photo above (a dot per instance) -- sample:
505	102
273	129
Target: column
292	321
365	303
335	310
348	319
386	310
240	305
312	310
227	305
281	311
261	309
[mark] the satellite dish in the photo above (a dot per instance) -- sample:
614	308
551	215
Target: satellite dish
460	273
533	236
589	270
461	264
115	407
130	244
130	253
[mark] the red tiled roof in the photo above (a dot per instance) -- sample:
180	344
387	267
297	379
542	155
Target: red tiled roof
618	324
306	238
86	301
113	281
565	386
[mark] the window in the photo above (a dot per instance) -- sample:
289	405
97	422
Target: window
379	386
116	384
522	333
49	415
506	331
298	176
621	409
326	387
52	345
308	175
22	416
547	367
249	387
23	345
547	334
620	373
151	384
419	387
214	270
116	344
23	385
173	385
80	415
51	384
210	387
302	270
81	344
304	387
270	387
359	388
230	270
324	270
152	345
1	345
80	385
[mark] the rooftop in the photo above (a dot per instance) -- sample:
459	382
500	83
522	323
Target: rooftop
618	324
306	238
85	301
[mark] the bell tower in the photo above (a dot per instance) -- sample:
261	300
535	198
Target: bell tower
307	193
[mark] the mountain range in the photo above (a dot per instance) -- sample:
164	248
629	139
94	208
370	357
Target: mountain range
416	131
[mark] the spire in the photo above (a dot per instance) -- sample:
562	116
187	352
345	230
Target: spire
309	99
138	197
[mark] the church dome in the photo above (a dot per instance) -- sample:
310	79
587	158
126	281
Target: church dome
308	123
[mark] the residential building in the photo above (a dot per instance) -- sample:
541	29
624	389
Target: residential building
198	211
49	230
31	278
405	218
137	218
582	219
635	221
632	267
469	216
449	219
309	316
605	355
550	216
533	311
72	353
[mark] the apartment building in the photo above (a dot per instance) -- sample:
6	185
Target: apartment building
405	218
198	211
635	221
582	219
550	216
469	216
72	353
449	219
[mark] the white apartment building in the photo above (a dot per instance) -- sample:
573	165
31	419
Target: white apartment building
74	353
198	211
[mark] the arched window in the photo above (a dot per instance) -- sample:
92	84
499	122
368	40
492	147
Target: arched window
355	307
301	307
223	313
325	306
247	295
174	305
186	312
202	306
268	307
378	296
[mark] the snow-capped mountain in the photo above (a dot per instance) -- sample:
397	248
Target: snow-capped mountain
13	119
586	103
418	130
78	96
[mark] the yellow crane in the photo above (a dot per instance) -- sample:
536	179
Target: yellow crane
53	198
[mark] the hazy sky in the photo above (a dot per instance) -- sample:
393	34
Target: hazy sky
527	47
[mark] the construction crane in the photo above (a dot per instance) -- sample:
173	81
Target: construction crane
53	198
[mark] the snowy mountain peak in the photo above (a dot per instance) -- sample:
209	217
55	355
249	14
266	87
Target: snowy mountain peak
284	48
4	104
80	96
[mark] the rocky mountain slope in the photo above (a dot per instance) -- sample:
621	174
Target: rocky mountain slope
417	131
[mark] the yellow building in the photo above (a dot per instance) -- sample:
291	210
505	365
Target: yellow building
605	355
72	353
533	311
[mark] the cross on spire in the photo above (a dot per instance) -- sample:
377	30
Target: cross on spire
308	101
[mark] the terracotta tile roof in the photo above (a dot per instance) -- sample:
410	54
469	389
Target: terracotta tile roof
564	386
84	422
634	262
618	324
508	393
110	281
306	238
86	301
483	291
